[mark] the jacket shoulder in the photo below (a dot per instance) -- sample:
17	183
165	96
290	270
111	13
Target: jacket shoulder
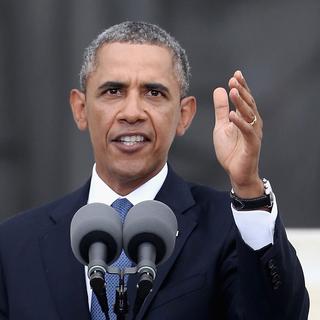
45	214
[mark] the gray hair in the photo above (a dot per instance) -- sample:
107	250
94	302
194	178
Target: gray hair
137	33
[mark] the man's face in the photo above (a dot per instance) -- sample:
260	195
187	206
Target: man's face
133	111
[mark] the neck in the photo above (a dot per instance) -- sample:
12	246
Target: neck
125	185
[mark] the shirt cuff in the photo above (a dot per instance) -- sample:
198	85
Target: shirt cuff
256	226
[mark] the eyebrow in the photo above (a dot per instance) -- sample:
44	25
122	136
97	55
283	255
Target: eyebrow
121	85
156	86
112	84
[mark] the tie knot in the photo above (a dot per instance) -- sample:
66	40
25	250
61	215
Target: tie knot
122	205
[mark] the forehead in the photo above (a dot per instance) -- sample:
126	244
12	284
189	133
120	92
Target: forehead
143	60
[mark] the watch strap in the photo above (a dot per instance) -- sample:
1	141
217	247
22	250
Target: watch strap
264	201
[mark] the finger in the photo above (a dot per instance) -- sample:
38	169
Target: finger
244	93
248	131
239	76
241	106
221	106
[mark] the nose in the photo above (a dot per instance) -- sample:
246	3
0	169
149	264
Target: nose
133	110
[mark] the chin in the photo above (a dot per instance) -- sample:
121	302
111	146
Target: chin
135	171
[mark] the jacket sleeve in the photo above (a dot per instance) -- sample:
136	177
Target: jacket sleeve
264	284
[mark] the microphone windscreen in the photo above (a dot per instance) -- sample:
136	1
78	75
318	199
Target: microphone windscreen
96	222
150	221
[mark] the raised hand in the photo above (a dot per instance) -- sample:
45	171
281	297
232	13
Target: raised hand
237	136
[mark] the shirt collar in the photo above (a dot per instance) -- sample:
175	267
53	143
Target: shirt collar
100	192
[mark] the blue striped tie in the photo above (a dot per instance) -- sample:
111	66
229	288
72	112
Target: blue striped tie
122	205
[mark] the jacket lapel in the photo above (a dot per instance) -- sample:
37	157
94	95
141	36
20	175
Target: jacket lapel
65	275
177	195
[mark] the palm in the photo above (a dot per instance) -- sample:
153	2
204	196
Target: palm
232	152
237	143
226	140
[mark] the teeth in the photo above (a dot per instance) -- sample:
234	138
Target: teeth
131	140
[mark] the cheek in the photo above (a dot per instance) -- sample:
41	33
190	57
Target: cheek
99	125
100	115
167	127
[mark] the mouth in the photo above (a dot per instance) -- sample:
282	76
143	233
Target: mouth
131	140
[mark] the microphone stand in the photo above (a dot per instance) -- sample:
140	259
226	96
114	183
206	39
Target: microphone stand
121	306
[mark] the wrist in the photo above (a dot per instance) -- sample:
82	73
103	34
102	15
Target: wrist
252	189
261	202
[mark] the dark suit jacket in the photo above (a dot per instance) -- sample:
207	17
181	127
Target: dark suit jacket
212	273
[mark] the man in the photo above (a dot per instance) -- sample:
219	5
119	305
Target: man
229	262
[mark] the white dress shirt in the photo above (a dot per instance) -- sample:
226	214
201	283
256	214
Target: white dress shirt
256	227
100	192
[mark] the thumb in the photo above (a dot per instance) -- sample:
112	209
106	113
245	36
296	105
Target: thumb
221	106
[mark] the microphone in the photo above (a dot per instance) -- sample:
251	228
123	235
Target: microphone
149	234
96	241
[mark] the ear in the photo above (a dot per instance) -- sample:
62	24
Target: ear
188	107
78	107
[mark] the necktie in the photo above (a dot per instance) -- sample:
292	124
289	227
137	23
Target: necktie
122	205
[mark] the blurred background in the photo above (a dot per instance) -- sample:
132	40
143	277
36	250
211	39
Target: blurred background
275	43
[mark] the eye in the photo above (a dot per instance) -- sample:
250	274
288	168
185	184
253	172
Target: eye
113	92
154	93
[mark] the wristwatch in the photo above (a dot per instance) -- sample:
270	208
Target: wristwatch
265	201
